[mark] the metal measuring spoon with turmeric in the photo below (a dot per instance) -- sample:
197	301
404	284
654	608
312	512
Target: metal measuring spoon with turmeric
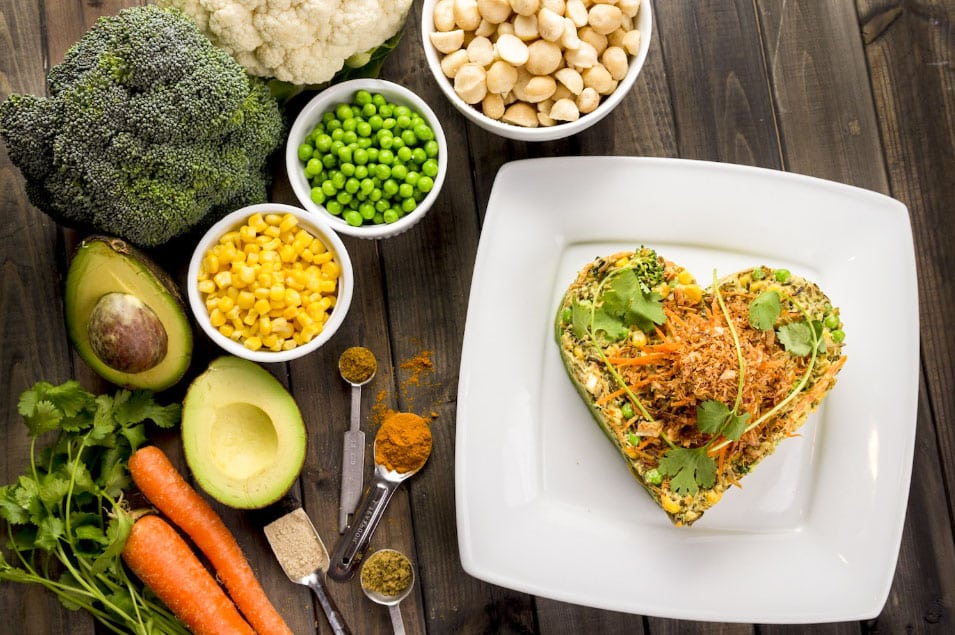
402	446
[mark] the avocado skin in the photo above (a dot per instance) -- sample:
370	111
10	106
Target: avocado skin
105	264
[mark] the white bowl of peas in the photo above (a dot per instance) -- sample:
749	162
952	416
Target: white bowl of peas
368	155
270	282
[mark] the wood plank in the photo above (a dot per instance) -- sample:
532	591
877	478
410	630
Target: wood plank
31	257
717	84
910	53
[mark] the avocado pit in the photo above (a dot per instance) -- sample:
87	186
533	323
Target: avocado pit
126	334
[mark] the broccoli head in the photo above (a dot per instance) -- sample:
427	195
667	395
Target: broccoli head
149	130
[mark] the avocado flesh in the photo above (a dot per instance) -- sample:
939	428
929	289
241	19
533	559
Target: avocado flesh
103	265
243	434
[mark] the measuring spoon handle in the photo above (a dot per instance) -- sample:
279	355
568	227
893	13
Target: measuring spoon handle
352	545
335	619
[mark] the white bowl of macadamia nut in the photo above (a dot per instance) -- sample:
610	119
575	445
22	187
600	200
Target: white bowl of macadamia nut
536	70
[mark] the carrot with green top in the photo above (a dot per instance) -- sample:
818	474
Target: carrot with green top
159	480
165	563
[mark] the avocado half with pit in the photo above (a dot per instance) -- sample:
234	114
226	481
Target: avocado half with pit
125	315
243	434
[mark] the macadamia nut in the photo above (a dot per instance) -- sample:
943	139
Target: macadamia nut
501	77
521	114
543	57
466	14
470	83
494	11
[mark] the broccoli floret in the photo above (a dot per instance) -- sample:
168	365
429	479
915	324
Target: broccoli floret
149	130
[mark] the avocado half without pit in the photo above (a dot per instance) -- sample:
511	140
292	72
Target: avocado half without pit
125	315
243	434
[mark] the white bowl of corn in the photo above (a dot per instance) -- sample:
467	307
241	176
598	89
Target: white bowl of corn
270	282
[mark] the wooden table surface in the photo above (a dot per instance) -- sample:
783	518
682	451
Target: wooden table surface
858	92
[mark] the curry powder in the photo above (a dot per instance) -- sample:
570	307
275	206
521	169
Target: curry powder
403	442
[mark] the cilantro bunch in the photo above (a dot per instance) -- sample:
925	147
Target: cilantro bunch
66	519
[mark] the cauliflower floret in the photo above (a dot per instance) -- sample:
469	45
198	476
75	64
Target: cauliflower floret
297	41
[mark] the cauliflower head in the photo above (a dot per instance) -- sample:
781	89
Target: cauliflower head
301	42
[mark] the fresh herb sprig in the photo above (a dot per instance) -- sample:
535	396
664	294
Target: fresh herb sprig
66	519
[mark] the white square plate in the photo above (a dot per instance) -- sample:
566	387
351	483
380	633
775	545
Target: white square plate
544	503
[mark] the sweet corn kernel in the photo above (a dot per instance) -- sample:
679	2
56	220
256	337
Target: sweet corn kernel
225	304
252	343
684	277
288	223
227	330
223	279
265	325
211	264
217	318
669	504
245	300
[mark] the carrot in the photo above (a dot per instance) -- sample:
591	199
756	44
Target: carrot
157	478
156	553
651	358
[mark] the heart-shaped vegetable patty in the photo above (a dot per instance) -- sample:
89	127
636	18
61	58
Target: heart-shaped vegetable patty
695	386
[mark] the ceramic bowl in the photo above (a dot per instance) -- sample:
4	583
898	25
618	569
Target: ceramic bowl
473	113
319	228
311	115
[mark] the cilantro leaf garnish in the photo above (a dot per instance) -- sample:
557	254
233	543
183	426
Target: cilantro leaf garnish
796	337
764	310
625	304
716	418
688	469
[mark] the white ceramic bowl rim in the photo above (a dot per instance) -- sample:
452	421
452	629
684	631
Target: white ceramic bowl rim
544	133
310	221
312	112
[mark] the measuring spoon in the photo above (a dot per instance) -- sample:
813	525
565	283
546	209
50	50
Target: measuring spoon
391	601
352	545
353	453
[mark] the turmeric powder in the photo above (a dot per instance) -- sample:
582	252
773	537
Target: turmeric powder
403	442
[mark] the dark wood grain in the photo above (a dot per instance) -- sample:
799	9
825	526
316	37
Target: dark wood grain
856	92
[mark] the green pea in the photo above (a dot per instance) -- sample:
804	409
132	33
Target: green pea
366	186
423	132
360	156
412	178
418	155
653	476
402	111
343	197
388	123
363	129
430	168
368	110
375	122
402	121
305	152
317	195
364	142
386	110
367	211
329	188
382	205
627	408
352	185
397	143
379	100
350	124
329	160
831	321
373	154
375	194
353	218
405	190
333	124
362	97
343	112
361	171
399	171
348	169
312	167
390	187
409	138
350	137
345	154
386	156
425	184
431	148
383	171
404	154
782	275
838	336
389	216
386	142
334	207
408	204
338	180
328	117
758	274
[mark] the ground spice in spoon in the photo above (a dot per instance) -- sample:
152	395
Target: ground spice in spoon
403	442
387	572
357	364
